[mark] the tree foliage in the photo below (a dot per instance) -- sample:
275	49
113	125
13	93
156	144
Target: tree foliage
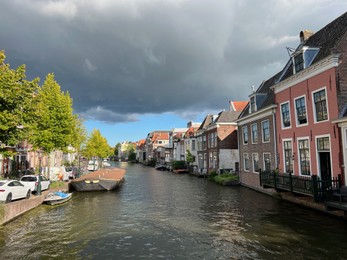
96	146
116	149
55	122
17	103
79	134
190	158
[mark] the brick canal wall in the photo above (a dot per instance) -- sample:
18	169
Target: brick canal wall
10	211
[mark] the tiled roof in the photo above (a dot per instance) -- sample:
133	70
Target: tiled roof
160	136
227	116
238	105
326	39
207	121
190	132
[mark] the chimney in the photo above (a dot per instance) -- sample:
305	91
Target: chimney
304	35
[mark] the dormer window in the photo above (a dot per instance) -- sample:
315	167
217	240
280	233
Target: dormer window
256	101
303	58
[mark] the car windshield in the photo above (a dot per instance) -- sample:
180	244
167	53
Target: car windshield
2	183
28	178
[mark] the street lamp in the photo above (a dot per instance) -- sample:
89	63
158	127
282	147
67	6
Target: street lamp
38	191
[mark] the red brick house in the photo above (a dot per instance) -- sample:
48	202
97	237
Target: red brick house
256	135
311	98
217	141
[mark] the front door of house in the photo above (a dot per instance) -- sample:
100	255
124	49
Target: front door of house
325	166
323	147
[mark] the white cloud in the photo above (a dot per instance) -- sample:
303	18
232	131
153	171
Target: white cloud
65	9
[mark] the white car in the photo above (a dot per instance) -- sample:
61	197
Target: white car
32	181
13	190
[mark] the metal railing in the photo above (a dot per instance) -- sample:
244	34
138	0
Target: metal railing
313	186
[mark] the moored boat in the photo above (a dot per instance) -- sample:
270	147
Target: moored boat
101	180
55	198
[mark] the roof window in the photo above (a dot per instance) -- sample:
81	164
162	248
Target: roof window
303	58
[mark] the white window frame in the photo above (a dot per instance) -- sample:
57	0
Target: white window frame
244	162
284	154
298	155
262	131
252	109
296	112
264	160
252	140
243	135
290	118
314	105
253	156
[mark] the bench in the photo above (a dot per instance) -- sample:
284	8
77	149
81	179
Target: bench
341	193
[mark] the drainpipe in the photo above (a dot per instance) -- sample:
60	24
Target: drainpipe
275	140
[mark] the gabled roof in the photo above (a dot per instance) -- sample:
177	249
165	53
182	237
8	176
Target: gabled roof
160	136
207	121
237	105
227	117
191	131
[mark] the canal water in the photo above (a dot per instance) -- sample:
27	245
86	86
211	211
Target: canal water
159	214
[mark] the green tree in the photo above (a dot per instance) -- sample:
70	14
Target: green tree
79	134
116	149
17	104
190	158
55	121
131	152
96	146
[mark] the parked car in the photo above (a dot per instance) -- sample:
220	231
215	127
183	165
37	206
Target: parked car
32	182
13	190
71	171
93	165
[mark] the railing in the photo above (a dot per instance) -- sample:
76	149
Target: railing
313	186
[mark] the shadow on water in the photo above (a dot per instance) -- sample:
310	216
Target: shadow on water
159	214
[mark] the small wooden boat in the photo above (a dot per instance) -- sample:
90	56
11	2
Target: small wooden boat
101	180
55	198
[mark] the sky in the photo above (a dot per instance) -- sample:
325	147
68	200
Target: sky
136	66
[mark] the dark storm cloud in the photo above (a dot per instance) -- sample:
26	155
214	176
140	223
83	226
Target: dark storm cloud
121	59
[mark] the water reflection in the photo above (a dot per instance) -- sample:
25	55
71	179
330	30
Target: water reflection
164	215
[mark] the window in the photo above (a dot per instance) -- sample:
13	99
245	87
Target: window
193	145
209	140
323	144
300	106
255	159
299	62
288	156
245	134
266	131
304	58
253	104
211	161
204	142
304	157
246	161
267	162
285	115
215	137
254	134
320	103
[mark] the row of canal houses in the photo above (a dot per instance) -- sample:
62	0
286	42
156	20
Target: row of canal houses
294	122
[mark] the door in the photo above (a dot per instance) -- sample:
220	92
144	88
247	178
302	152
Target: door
325	165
